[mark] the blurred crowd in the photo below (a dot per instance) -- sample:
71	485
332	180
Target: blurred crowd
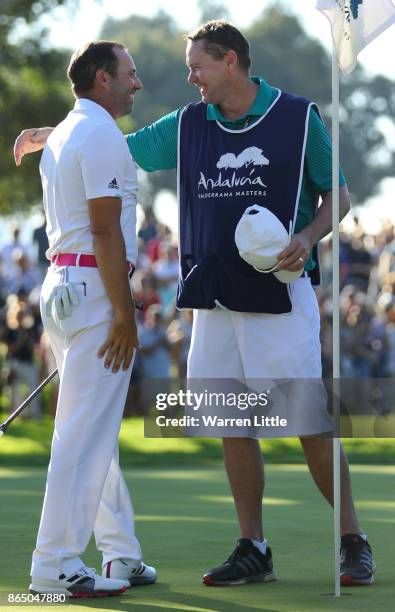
367	310
367	304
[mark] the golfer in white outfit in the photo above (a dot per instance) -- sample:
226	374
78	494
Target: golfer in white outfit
89	185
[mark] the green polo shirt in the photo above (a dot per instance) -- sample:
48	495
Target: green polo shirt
155	148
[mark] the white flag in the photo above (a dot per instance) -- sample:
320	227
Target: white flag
355	23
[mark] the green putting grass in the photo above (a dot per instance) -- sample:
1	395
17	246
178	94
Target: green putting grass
186	524
29	443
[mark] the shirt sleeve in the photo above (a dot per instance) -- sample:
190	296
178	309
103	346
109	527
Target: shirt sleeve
155	147
102	160
318	158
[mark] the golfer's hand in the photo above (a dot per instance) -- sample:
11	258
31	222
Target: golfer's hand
296	254
121	343
29	141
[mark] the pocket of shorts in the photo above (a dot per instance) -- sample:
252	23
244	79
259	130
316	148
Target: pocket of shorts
304	299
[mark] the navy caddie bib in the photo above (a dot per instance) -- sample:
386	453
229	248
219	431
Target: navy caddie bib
222	172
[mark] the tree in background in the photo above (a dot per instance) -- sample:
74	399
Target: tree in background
158	48
288	58
367	105
34	89
212	9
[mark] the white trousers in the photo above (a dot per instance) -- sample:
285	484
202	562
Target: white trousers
85	488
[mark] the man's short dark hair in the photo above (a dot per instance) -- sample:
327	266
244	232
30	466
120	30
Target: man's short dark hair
220	36
88	60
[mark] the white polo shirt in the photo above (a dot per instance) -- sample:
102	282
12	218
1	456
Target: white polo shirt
86	157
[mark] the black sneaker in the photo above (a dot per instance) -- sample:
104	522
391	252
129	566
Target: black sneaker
245	564
356	561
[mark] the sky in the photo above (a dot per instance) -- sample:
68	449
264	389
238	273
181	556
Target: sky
71	30
75	29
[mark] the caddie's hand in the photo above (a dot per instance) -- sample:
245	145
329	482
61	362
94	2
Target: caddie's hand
296	254
121	343
29	141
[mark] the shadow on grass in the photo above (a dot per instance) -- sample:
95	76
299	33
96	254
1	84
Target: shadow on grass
164	598
28	443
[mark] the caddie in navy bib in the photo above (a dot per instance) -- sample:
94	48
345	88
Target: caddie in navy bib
221	172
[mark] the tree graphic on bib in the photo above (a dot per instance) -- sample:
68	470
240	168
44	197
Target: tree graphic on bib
229	160
250	156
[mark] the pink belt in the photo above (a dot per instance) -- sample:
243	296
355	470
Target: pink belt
80	259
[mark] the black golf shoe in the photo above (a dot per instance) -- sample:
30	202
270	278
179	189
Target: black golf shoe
356	561
245	564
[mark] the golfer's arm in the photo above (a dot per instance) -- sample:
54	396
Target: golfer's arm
321	225
110	253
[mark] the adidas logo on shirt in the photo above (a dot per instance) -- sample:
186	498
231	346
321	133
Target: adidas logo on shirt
113	184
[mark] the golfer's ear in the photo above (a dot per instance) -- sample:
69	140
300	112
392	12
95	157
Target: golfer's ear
101	77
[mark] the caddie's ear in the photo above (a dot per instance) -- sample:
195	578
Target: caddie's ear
231	59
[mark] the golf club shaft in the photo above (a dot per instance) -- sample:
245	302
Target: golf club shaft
3	426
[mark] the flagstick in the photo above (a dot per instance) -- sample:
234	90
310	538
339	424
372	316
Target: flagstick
336	314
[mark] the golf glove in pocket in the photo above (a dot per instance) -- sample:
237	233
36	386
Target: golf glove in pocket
62	300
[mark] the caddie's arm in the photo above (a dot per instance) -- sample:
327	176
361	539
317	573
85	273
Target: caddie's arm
301	244
30	141
318	175
154	147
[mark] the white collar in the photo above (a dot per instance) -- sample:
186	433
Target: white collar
93	107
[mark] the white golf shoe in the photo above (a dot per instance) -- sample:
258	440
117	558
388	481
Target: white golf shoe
122	569
81	584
